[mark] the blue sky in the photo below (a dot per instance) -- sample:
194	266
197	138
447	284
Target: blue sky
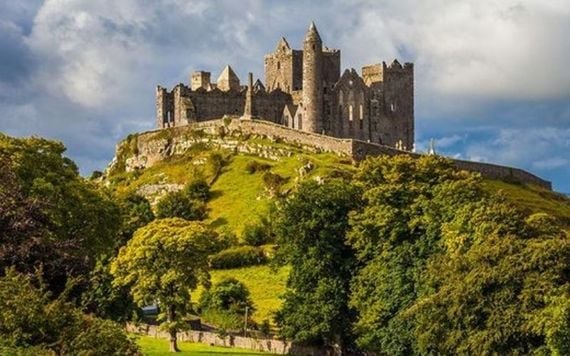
492	77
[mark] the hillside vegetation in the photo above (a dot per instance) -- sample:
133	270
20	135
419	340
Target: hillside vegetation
241	195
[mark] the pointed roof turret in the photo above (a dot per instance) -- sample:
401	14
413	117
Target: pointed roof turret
283	44
228	80
313	33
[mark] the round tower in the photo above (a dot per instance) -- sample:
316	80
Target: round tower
312	98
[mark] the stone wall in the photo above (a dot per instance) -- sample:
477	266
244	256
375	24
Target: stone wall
153	146
204	337
488	170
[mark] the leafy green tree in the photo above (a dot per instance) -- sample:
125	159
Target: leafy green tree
394	235
162	263
311	228
51	217
104	299
136	212
33	323
501	287
225	304
180	205
228	295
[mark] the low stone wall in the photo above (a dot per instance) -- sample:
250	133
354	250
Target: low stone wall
153	147
204	337
488	170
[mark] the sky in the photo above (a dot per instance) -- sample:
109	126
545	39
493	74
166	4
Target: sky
492	81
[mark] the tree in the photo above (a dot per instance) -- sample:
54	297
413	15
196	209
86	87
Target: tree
500	287
136	212
394	236
32	322
162	263
311	228
51	218
226	304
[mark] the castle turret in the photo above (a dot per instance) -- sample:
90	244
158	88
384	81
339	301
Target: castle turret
312	98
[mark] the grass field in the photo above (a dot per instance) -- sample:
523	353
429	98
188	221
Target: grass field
159	347
532	199
264	284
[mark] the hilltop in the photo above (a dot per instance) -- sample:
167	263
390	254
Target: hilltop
242	169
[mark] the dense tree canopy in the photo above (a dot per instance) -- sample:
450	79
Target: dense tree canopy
50	216
33	323
162	263
311	233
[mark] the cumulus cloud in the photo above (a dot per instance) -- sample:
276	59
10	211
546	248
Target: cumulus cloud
84	71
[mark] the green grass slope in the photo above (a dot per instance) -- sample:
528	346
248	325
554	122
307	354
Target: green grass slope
532	199
159	347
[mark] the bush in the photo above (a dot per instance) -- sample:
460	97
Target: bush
238	257
227	295
198	189
256	166
255	235
102	337
31	323
180	205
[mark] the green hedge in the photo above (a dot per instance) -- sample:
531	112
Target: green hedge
238	257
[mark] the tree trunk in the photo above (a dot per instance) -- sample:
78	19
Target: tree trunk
172	330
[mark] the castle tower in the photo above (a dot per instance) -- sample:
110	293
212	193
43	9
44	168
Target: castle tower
312	98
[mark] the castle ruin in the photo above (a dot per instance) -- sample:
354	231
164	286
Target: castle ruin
304	90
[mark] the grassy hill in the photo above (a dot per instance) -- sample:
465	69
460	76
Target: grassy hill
241	196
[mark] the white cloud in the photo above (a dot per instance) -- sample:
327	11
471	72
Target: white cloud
543	148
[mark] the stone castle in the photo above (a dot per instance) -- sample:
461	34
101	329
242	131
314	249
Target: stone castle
304	90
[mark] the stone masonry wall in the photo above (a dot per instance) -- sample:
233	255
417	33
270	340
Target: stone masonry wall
153	146
204	337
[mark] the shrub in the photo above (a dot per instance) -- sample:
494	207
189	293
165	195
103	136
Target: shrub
256	166
255	235
227	295
238	257
102	337
31	323
198	189
180	205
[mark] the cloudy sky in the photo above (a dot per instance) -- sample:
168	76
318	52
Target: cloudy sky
492	77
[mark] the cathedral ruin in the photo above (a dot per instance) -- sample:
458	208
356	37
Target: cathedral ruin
304	90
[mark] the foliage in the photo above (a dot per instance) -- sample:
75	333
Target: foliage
258	234
311	233
448	269
101	337
264	283
51	218
136	212
502	286
162	263
395	234
105	300
198	189
180	205
31	321
228	295
238	257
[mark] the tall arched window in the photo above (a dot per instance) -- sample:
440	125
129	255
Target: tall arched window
350	113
